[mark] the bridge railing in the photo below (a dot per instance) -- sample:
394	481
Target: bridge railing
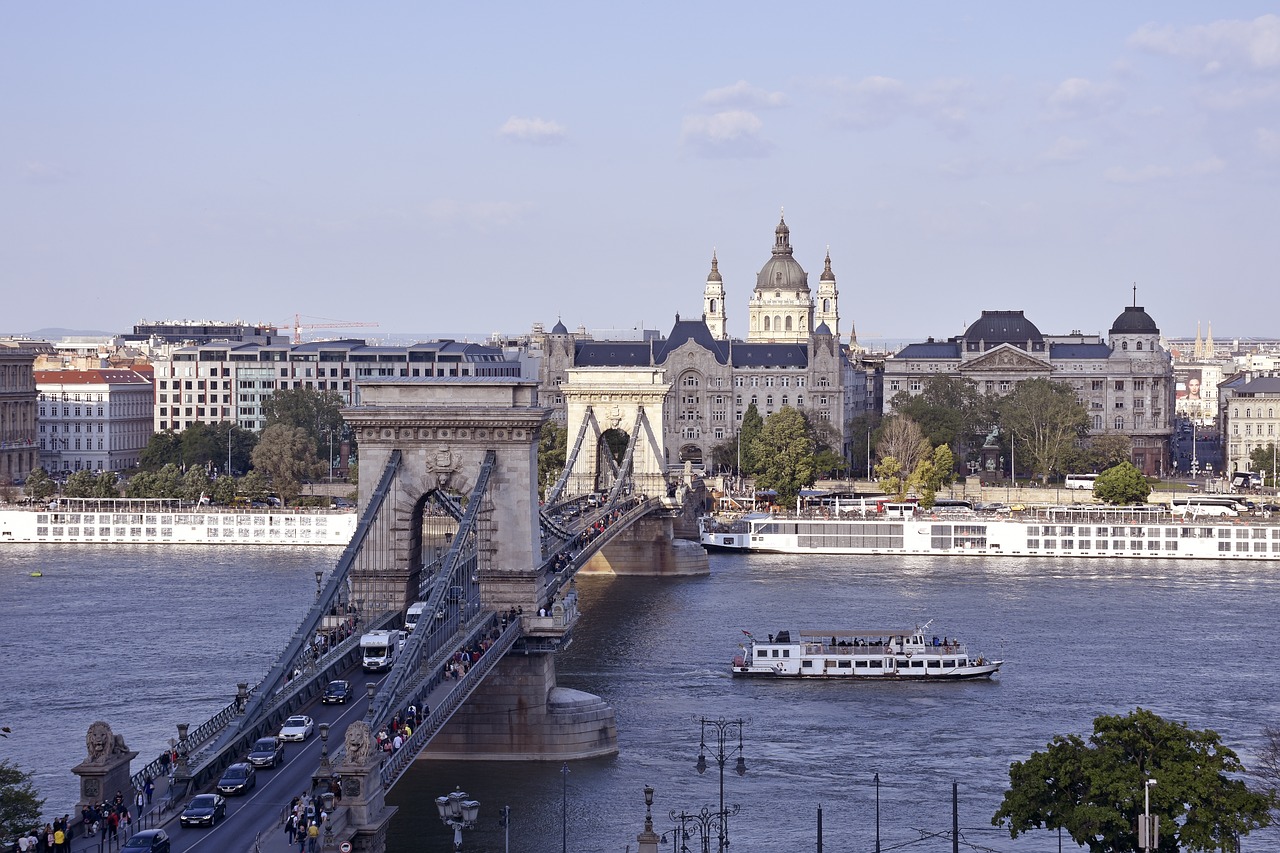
400	761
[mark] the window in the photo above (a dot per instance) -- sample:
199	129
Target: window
915	385
1119	423
894	385
1119	384
1097	385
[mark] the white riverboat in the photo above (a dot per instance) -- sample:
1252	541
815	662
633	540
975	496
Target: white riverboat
156	522
1074	531
894	655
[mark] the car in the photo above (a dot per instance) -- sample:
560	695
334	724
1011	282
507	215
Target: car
266	752
297	727
336	693
237	779
204	810
147	841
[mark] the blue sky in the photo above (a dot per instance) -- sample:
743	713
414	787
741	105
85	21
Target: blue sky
475	167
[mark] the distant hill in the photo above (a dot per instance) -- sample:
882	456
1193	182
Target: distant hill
53	334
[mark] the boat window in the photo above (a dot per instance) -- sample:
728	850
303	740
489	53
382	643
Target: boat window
808	664
786	653
935	664
875	664
861	664
917	664
762	653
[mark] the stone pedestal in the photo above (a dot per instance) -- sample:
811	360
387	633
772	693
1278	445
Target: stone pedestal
364	802
649	548
519	714
106	769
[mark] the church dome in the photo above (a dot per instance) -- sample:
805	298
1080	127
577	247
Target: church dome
1134	321
823	329
827	274
782	271
1003	327
559	328
714	275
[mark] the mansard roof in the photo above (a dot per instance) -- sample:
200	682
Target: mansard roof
1079	351
612	354
1261	385
1003	327
770	355
690	330
931	349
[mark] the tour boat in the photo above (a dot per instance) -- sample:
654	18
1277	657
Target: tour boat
890	654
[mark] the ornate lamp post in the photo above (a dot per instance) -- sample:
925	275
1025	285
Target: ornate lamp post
722	731
705	823
459	813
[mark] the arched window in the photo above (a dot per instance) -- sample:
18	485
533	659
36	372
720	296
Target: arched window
1139	346
1248	412
1124	345
788	322
1120	423
826	305
777	323
713	306
1097	421
766	324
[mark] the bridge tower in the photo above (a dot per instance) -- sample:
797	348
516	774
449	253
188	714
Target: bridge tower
601	399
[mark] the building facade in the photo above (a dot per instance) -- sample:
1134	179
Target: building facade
94	420
1250	420
785	361
225	381
19	453
1125	382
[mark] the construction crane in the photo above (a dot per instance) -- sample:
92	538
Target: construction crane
298	326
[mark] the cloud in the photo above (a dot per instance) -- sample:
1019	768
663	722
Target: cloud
40	172
1065	149
532	130
478	216
1253	45
877	102
1267	142
1077	97
732	133
744	95
1238	97
1153	172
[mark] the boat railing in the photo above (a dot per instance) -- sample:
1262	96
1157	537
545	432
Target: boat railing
951	648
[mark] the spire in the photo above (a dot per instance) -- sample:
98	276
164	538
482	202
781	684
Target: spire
714	275
1135	294
827	274
1198	351
1208	342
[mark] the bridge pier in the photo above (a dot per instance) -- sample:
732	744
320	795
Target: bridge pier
649	547
519	714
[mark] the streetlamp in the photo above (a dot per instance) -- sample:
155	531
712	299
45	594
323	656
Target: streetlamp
319	580
723	730
1149	828
706	823
458	812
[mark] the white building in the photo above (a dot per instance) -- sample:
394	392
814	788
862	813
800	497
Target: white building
97	420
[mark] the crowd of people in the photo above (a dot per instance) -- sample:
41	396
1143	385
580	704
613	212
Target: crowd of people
304	822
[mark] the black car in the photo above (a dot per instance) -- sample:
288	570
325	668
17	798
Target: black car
337	693
147	841
204	810
266	752
237	779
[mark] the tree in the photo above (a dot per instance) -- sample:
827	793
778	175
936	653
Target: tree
167	483
317	413
107	485
948	410
20	804
163	448
1044	420
1100	453
80	484
901	438
286	455
254	485
748	432
860	430
784	452
195	484
141	485
1264	458
888	474
828	456
1093	788
39	485
223	491
552	449
1122	484
932	473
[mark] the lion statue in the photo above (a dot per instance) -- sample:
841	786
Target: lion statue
357	742
99	740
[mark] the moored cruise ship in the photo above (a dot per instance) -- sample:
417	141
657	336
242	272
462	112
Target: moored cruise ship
1093	531
165	522
881	655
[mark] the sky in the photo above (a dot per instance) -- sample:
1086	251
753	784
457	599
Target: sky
459	169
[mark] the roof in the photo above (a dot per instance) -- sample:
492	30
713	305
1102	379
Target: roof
770	355
1006	327
612	354
690	330
1079	351
1261	385
932	349
1134	320
782	271
105	376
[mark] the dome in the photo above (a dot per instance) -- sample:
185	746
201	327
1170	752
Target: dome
559	328
1134	321
827	274
782	271
714	275
1003	327
823	329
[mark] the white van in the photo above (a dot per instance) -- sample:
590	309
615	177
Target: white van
413	614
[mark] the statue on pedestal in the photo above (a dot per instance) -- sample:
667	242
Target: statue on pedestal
106	766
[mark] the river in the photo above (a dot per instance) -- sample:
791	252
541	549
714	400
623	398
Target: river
145	639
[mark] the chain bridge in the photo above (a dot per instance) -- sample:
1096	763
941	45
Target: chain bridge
450	516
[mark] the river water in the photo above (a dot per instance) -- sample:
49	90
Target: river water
145	639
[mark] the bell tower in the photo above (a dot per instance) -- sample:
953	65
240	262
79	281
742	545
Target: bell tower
713	310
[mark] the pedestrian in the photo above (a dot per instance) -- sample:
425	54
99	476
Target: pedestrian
291	827
150	789
313	837
140	801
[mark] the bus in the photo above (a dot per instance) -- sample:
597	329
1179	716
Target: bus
1222	506
1080	481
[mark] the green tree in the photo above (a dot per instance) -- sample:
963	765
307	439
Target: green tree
39	485
1264	458
860	431
287	456
195	483
254	485
80	484
163	448
20	804
1093	789
553	447
1100	453
1122	484
932	473
1044	420
167	483
141	485
751	428
223	491
317	413
901	438
889	475
828	455
784	451
948	410
107	485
